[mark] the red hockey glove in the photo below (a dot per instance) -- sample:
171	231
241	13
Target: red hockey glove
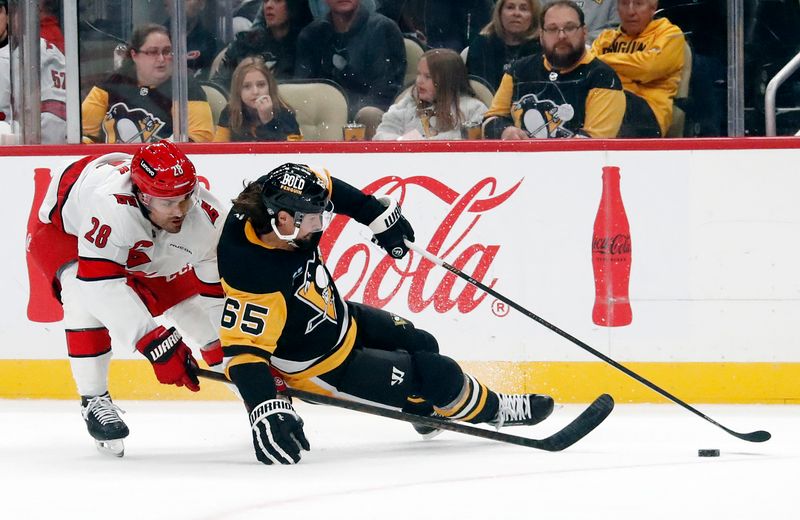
172	360
212	353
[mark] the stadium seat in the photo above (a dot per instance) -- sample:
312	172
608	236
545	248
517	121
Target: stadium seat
319	105
678	115
217	98
414	52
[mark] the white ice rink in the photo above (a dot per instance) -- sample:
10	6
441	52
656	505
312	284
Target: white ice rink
194	460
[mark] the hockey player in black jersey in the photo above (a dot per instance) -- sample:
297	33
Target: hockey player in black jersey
282	310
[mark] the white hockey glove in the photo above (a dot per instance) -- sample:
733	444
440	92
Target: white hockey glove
277	432
390	228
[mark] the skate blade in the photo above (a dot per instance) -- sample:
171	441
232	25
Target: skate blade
113	448
430	435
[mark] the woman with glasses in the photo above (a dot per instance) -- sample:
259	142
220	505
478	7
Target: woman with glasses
134	104
512	33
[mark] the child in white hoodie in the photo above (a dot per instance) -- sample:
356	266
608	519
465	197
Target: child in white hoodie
438	104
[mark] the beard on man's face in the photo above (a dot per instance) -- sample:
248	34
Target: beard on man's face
563	58
308	242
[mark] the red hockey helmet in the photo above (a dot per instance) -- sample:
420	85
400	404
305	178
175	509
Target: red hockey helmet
162	170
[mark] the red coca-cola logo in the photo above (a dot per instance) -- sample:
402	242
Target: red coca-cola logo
619	244
381	278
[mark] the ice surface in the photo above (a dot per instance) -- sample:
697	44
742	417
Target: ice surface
194	460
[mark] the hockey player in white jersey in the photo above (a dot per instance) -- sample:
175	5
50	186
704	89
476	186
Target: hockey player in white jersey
53	85
125	239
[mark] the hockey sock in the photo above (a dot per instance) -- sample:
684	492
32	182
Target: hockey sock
91	374
475	403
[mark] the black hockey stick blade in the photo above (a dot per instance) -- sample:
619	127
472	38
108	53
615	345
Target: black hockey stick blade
587	421
757	436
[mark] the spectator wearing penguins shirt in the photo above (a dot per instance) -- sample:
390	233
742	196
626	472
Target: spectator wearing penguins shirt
647	55
563	92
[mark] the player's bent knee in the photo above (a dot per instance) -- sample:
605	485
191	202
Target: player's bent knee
439	378
425	342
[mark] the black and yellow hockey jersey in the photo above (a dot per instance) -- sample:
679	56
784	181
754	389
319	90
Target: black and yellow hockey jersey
586	99
282	306
279	305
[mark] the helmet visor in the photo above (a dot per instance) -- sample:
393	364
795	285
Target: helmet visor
306	223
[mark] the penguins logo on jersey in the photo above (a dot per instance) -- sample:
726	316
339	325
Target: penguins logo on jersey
317	292
542	118
130	125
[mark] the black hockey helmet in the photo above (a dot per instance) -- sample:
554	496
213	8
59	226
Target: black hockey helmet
301	192
294	188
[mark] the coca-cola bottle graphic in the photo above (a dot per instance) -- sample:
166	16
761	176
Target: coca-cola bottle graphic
42	305
611	256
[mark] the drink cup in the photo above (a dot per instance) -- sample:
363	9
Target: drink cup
354	132
471	131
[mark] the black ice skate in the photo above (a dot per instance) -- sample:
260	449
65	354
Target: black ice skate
522	409
104	423
423	409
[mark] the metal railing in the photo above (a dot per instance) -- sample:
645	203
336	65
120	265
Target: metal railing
770	111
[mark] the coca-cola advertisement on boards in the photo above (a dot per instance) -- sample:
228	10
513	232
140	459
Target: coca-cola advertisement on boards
365	273
611	255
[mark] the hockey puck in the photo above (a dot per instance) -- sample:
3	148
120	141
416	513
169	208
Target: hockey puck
708	453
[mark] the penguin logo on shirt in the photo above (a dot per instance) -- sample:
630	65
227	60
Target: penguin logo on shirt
130	125
543	118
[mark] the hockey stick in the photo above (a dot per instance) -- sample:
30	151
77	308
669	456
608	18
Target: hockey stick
757	436
587	421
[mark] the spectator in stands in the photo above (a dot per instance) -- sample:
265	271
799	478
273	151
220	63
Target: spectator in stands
255	111
201	44
512	33
441	23
320	9
273	38
599	15
49	26
648	56
134	104
564	92
361	51
438	104
52	84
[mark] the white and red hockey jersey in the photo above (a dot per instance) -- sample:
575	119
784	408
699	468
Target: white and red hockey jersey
118	245
53	91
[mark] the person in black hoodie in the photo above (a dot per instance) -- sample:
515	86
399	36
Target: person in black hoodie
273	38
361	51
512	33
201	45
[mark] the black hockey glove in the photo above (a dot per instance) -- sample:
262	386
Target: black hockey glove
390	228
277	432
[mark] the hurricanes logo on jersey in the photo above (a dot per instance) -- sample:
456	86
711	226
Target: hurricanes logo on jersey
317	292
130	125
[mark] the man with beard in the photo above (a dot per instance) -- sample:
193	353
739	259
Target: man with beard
563	92
283	313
